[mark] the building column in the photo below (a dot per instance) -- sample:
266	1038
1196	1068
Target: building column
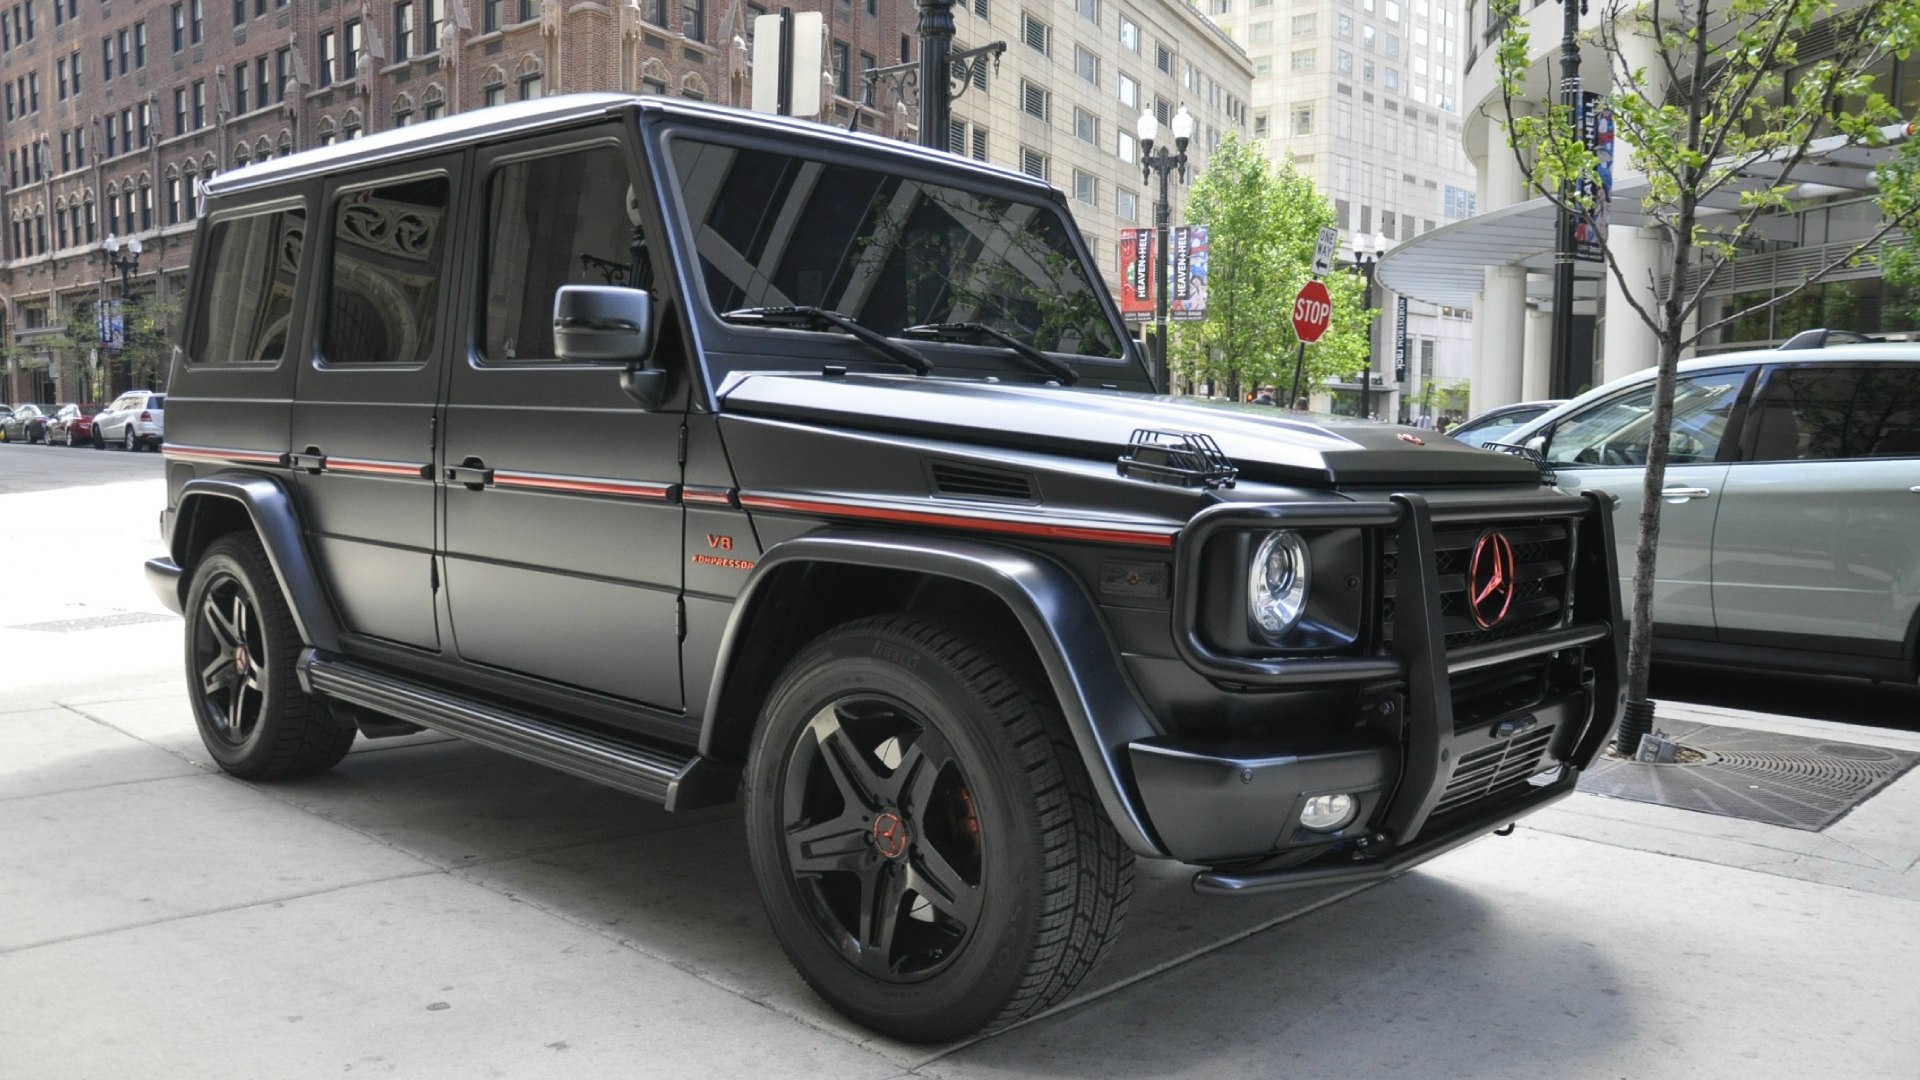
1499	331
1629	343
1536	376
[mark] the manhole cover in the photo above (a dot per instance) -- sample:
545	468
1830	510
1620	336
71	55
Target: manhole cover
97	622
1756	775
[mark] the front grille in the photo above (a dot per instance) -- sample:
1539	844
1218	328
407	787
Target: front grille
1542	552
1495	768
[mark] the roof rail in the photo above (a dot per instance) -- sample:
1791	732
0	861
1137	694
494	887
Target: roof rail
1821	338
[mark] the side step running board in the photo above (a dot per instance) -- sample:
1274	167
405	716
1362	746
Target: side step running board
674	778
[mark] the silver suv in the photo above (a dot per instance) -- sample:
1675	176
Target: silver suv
136	419
1788	539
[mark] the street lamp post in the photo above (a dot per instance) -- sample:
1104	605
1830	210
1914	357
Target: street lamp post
1563	381
1160	160
1367	251
124	257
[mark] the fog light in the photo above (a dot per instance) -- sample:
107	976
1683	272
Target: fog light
1325	813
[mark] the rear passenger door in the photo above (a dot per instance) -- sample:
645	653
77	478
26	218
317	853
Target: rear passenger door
1604	448
1816	539
363	422
563	518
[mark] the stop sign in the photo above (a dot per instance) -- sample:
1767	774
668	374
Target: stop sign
1312	311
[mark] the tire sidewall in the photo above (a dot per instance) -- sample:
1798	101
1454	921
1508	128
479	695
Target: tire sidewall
973	987
225	560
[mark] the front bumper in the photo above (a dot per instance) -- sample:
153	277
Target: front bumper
1443	775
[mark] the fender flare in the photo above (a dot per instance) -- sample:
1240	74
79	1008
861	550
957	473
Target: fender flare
1062	623
270	508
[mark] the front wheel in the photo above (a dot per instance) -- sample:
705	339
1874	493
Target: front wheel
253	717
926	841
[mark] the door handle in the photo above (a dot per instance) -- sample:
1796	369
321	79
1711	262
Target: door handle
472	472
312	460
1682	494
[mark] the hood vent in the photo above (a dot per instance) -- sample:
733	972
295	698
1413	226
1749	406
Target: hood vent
958	481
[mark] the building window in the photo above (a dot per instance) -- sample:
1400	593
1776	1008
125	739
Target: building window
1086	127
199	104
867	63
492	16
1303	119
350	58
196	10
1129	34
173	200
179	110
328	56
1129	92
402	30
1303	59
530	87
693	19
430	13
1034	163
179	27
434	110
1127	147
1037	35
655	12
146	206
1085	188
1163	58
841	64
240	89
1035	101
282	71
1126	204
1086	65
1088	10
497	95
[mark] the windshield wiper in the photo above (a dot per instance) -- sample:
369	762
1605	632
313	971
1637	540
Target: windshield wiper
954	331
808	317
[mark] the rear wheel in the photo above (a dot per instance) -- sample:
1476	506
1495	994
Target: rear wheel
924	836
129	441
71	441
241	645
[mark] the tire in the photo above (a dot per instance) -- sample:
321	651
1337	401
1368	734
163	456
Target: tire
99	440
240	649
71	442
129	441
926	841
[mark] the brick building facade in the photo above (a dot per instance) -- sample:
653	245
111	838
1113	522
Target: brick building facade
115	109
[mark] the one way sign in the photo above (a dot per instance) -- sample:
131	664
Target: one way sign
1323	251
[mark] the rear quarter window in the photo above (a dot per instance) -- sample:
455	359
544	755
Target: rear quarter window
246	299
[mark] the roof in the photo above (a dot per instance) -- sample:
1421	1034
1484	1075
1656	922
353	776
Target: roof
560	111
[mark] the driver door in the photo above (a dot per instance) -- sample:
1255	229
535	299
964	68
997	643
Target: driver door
1604	448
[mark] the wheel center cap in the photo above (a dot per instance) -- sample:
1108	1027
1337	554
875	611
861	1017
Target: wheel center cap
890	835
240	659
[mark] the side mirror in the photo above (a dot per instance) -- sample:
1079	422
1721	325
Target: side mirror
596	323
1538	444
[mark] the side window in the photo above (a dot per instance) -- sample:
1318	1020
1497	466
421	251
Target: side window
1619	430
253	263
1826	413
553	221
385	283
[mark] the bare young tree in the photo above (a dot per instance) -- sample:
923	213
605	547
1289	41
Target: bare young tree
1720	121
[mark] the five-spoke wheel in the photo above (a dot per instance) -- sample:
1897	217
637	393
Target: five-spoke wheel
924	835
253	717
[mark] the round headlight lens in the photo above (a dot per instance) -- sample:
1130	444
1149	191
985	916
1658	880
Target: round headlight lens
1325	813
1277	583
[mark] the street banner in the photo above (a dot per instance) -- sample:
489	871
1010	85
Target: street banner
1136	275
1596	127
113	333
1190	258
1400	340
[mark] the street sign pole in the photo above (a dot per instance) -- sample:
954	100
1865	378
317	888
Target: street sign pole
1299	367
1312	313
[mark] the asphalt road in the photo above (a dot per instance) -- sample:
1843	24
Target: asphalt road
38	467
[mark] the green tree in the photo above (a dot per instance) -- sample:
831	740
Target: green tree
146	346
1263	221
1723	139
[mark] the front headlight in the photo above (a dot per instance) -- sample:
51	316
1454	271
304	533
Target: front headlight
1277	584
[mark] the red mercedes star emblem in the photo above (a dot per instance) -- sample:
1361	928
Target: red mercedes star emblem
1414	439
1491	579
890	835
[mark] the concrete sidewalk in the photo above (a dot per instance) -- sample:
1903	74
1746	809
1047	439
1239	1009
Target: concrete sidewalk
433	909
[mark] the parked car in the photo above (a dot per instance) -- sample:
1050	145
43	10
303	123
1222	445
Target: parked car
72	424
1494	425
135	420
830	478
1792	492
25	424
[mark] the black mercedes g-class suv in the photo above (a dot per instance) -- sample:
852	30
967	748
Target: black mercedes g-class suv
703	453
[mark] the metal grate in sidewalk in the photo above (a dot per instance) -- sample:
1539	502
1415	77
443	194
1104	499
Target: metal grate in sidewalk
1762	776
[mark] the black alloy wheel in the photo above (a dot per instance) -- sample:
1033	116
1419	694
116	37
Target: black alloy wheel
882	839
924	836
241	643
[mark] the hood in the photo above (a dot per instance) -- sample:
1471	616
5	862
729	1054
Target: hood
1264	443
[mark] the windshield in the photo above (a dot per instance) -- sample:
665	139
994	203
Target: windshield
887	250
